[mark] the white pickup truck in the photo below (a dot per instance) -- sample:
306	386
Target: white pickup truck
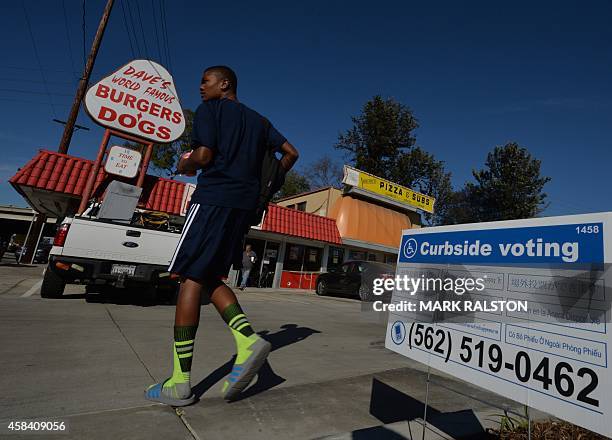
98	253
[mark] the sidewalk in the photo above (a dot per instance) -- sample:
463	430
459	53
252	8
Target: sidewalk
328	375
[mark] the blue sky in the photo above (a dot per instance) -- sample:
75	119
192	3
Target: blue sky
475	74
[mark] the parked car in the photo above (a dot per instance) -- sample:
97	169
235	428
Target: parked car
354	278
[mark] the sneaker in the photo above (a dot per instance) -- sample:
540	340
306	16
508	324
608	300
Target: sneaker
242	374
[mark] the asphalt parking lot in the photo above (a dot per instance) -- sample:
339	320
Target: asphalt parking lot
328	376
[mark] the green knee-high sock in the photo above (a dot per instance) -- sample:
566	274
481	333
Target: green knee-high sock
179	385
241	330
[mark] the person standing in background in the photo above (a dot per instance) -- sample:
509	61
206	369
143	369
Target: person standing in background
249	257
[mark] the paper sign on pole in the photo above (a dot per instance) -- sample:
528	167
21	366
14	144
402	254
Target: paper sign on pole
139	99
552	354
122	161
187	193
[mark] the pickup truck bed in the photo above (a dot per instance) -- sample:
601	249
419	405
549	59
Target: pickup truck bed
97	252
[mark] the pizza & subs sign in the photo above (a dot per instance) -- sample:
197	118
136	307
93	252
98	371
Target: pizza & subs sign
139	99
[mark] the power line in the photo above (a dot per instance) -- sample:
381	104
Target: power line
34	92
129	8
74	71
165	33
127	30
35	81
33	68
84	46
156	33
27	101
144	38
38	58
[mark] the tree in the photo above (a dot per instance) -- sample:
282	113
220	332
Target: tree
379	134
510	187
382	143
324	172
295	183
165	157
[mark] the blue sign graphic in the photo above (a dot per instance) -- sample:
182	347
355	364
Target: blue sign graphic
556	244
398	332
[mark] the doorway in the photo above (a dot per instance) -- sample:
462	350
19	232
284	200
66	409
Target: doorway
262	274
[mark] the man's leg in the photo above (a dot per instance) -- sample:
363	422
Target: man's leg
251	350
245	278
176	390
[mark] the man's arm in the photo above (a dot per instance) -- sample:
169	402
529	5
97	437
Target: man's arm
199	158
290	156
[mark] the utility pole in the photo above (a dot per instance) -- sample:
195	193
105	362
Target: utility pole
41	219
74	112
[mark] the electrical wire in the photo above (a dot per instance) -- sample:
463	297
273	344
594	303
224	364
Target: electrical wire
127	30
27	101
144	38
35	81
33	68
84	33
34	92
129	8
161	60
74	70
25	12
165	34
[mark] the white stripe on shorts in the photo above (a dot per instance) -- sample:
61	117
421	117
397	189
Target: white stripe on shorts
193	211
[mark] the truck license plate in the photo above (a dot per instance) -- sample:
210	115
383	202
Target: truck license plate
118	269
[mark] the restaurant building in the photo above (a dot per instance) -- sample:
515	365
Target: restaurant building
298	238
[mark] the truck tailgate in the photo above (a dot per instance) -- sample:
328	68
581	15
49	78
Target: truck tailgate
111	241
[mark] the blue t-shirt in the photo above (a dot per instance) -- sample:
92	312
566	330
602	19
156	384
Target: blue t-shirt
238	137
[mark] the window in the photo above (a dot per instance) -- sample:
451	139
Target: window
357	255
345	267
302	258
301	206
291	206
293	257
335	257
390	258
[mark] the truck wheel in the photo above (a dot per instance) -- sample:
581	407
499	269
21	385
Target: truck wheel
52	286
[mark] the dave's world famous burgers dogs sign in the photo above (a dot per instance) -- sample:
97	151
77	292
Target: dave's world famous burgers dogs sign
139	99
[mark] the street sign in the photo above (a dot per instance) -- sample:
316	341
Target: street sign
551	355
122	161
139	99
387	189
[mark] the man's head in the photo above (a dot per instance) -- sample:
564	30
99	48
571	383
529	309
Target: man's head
218	82
247	248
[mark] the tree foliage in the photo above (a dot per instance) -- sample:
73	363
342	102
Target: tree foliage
165	157
509	187
382	142
324	172
295	183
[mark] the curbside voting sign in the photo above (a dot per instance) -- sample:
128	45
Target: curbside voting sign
139	99
553	356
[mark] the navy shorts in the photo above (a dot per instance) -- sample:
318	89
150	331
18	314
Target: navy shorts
211	241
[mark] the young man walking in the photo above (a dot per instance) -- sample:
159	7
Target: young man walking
229	140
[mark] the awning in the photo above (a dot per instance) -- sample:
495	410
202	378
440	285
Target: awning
360	220
296	223
52	183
